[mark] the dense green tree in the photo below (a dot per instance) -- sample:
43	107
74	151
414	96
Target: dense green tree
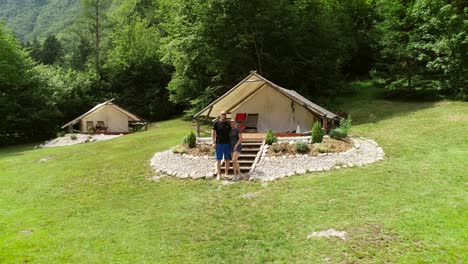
94	20
424	43
138	78
52	51
213	44
27	111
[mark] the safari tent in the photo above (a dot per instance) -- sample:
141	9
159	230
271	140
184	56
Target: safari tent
107	118
282	110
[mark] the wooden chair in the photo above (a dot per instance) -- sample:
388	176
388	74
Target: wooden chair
241	119
251	122
100	127
90	126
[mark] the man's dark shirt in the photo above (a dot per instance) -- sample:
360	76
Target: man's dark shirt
223	131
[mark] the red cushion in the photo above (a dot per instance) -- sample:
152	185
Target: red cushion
241	116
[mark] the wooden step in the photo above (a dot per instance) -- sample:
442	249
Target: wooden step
256	144
249	150
242	155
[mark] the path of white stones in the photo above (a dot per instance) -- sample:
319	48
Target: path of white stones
364	151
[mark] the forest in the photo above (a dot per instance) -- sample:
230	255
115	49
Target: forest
160	58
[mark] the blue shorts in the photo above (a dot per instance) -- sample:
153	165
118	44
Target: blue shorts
223	150
238	149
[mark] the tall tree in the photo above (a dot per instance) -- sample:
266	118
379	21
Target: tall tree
52	51
26	107
94	18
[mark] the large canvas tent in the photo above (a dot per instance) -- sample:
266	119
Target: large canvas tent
278	108
115	118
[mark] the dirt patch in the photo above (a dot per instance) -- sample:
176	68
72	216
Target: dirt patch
368	239
328	145
328	233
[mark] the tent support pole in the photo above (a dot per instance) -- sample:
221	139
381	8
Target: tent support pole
208	114
324	124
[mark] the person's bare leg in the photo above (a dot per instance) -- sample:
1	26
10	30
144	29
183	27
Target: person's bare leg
226	167
235	164
218	168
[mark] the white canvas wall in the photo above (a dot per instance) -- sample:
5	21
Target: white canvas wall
275	112
115	120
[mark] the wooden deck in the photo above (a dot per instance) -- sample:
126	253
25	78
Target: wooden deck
261	136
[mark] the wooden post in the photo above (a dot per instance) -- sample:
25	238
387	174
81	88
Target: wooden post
324	124
70	129
198	128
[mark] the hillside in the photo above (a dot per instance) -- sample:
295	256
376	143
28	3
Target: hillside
93	203
38	18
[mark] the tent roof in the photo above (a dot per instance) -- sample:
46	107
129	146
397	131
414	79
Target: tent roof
248	87
131	116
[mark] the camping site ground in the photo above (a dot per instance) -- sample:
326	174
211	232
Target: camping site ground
93	203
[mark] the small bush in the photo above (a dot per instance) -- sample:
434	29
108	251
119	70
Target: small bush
342	130
338	133
322	149
278	148
270	137
345	125
60	134
191	140
179	150
73	137
317	133
302	147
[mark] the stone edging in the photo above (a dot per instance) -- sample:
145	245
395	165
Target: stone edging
364	151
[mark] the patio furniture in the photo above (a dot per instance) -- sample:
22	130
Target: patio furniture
251	122
100	127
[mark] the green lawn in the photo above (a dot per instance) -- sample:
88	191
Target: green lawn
93	203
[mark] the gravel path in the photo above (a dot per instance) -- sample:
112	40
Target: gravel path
73	139
365	151
183	166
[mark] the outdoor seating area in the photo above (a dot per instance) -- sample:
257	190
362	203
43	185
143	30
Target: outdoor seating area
106	118
258	105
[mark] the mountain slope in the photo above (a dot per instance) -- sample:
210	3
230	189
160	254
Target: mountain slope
38	18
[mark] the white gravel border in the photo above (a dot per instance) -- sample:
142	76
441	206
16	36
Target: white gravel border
364	151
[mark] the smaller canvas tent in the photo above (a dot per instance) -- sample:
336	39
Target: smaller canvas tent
277	108
114	118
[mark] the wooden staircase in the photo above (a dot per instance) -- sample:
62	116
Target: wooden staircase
251	152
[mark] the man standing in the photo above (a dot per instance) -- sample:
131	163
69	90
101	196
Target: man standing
221	142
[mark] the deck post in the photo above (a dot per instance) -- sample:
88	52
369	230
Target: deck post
198	128
325	124
70	129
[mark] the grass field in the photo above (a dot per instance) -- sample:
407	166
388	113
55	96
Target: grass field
92	203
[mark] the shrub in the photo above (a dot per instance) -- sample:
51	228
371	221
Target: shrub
270	137
317	133
342	130
179	150
322	149
278	148
191	140
302	147
345	125
338	133
60	134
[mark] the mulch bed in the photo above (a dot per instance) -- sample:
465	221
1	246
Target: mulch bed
200	150
328	145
